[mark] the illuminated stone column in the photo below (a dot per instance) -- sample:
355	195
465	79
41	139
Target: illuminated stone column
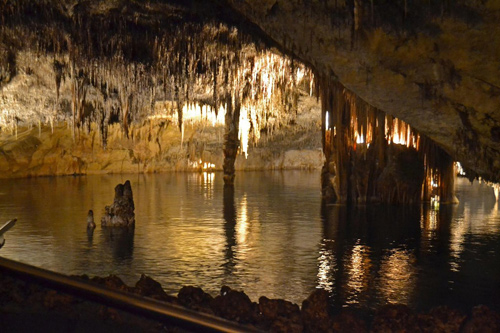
341	148
231	141
327	131
448	179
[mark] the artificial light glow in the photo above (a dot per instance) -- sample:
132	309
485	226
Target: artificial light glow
192	113
398	139
400	133
201	166
327	119
300	74
359	138
460	170
496	188
244	130
435	201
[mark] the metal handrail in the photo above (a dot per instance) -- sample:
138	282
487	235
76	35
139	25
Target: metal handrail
151	308
3	229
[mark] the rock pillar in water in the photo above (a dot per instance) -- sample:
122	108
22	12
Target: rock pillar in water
121	212
231	141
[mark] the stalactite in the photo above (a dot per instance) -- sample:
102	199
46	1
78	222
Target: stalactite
371	156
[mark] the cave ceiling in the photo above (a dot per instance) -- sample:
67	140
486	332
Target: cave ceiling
433	64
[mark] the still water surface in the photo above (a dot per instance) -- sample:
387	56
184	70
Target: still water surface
269	237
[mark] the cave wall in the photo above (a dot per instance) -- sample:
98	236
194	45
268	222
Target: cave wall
150	148
433	64
99	73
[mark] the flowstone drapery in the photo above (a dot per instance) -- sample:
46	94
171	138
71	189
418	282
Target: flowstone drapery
373	157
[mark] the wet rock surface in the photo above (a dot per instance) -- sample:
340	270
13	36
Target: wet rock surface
280	316
482	319
196	299
235	305
121	212
315	312
26	306
148	287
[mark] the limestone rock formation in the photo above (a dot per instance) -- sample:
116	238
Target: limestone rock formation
432	64
121	212
148	287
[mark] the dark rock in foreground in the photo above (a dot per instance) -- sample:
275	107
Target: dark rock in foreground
20	299
280	316
121	212
195	298
235	305
315	312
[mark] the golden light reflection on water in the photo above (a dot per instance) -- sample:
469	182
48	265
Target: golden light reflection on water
186	233
326	267
208	184
242	226
398	276
358	272
429	221
457	237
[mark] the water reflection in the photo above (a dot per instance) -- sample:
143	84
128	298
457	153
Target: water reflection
119	241
326	269
365	247
358	272
229	213
397	276
417	256
243	222
90	235
265	236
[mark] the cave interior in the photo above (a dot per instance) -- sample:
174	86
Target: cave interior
386	138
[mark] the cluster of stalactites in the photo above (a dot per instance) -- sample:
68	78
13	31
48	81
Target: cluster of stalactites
365	120
116	75
371	156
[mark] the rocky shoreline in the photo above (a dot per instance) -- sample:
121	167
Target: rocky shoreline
20	299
